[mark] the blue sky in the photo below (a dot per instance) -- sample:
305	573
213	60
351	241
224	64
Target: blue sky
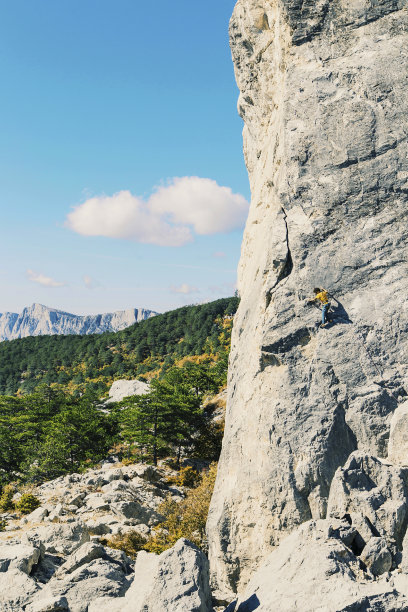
103	98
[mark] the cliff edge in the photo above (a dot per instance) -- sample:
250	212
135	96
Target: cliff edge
323	97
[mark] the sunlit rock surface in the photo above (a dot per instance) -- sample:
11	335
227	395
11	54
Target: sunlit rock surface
324	100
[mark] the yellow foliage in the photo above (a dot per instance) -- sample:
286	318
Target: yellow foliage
186	519
186	477
130	543
192	359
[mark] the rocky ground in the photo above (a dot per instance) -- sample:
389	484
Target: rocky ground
53	559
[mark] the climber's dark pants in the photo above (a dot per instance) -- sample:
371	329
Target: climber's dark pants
325	310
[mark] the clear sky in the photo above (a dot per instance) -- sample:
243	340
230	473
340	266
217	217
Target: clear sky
122	180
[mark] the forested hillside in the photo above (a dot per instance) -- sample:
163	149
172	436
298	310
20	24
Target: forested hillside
91	363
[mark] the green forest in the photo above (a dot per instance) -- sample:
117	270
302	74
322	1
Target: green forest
52	417
50	432
89	364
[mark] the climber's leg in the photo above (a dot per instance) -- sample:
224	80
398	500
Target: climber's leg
324	313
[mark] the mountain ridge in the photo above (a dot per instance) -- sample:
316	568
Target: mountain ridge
39	320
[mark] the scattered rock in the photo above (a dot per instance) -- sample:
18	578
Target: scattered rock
82	556
176	580
374	495
37	515
61	538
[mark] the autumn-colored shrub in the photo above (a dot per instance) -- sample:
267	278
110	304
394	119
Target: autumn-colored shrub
128	461
185	519
186	477
131	543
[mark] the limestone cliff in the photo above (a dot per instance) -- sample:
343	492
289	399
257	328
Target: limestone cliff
324	100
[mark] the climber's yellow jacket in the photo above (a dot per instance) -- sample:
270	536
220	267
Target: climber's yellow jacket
323	297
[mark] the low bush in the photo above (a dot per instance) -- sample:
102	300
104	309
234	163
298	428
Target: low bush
186	477
185	519
27	503
6	498
131	543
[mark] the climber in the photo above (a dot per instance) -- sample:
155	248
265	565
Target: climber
323	297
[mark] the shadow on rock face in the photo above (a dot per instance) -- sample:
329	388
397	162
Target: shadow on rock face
252	603
338	313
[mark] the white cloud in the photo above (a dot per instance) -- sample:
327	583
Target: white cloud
41	279
184	288
90	283
167	218
219	254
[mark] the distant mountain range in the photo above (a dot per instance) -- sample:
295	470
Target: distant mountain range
39	320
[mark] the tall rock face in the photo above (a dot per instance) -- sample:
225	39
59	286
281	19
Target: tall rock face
324	100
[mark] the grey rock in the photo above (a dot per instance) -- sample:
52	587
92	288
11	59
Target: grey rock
398	442
323	98
310	572
146	472
98	578
18	556
176	580
61	538
125	388
47	567
136	510
37	515
52	604
101	525
377	556
96	502
16	590
113	475
82	556
374	494
76	500
56	512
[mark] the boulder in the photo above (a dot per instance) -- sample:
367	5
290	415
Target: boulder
115	474
37	515
125	388
18	556
60	538
16	590
52	604
377	556
96	503
101	525
88	582
176	580
312	570
82	556
374	495
56	512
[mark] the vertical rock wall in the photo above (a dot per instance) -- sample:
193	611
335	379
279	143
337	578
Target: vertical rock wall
324	88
